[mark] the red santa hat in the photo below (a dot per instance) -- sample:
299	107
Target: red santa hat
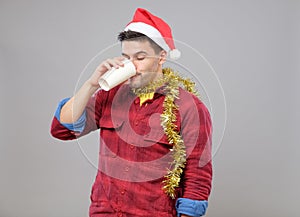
155	28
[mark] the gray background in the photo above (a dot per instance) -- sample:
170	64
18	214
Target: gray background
253	47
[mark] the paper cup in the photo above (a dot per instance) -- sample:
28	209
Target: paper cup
115	76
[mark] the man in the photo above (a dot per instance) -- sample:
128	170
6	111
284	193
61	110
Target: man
150	123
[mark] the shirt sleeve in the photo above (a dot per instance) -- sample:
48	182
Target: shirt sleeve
78	125
191	207
87	123
196	132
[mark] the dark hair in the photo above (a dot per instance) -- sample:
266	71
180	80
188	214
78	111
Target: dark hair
136	36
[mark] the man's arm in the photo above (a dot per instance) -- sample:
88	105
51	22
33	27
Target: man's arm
74	108
75	116
196	131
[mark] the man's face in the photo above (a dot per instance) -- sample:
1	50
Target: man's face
148	64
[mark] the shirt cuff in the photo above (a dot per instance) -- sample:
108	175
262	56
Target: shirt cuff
78	125
190	207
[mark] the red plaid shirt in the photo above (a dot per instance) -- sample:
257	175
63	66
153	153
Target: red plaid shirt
135	152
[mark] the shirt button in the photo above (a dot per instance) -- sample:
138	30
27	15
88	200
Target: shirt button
132	146
126	169
123	192
136	123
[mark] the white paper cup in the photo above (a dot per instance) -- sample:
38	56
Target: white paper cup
115	76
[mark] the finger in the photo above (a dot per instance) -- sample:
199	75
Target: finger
113	63
119	62
120	58
107	65
116	63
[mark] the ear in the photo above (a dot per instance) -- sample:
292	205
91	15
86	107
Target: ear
162	57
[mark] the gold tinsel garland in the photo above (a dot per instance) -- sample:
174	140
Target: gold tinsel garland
168	119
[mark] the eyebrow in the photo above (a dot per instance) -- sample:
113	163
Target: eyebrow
137	53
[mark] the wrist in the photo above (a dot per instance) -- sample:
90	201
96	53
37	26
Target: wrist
90	87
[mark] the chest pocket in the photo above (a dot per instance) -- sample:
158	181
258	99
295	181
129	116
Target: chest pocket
110	136
156	145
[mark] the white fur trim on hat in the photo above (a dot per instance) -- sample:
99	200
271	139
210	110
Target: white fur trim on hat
149	31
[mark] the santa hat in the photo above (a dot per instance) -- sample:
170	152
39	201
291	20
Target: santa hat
155	28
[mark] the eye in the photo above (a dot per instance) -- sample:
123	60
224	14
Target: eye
140	57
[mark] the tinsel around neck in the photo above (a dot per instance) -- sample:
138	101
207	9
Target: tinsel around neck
171	82
169	77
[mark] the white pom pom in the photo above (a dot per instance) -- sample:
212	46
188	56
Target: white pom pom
175	54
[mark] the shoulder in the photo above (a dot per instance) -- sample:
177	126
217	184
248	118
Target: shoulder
188	99
190	107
